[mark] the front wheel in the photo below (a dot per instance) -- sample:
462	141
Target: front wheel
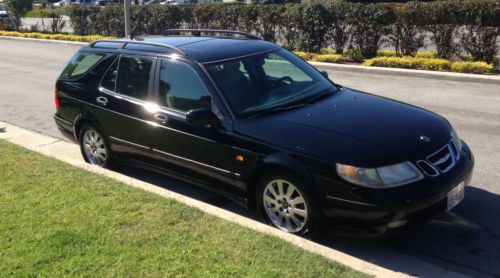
285	203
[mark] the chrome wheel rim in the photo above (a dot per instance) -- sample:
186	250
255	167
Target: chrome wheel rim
285	206
95	148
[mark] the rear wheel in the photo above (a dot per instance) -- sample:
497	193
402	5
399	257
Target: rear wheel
285	203
94	147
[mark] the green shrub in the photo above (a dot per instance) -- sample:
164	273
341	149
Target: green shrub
339	30
329	58
472	67
353	55
370	22
270	18
409	63
441	21
406	33
328	51
426	54
8	24
47	13
304	55
481	21
386	53
18	8
307	26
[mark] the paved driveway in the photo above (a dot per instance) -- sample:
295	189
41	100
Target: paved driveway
466	240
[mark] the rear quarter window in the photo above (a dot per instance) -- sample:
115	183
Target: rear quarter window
80	64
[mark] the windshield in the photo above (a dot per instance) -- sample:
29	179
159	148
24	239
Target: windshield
267	82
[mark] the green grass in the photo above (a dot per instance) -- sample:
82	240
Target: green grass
59	220
48	12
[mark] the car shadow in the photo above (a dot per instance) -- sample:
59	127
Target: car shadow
465	240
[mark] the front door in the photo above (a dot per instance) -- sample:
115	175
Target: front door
200	153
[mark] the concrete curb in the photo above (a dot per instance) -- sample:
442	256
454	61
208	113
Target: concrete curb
450	76
70	153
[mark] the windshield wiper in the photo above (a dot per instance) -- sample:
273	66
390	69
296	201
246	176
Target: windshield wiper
319	96
295	106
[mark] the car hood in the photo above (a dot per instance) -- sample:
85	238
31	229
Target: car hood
354	128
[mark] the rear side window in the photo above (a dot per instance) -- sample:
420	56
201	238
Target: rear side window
129	75
80	64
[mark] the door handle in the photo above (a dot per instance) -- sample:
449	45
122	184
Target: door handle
102	101
161	118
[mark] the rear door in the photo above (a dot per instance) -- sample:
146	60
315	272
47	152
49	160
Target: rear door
122	100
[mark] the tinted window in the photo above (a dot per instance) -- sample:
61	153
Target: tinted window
133	76
267	82
80	64
109	80
181	88
277	67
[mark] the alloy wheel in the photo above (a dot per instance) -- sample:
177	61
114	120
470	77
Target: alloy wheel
285	205
95	148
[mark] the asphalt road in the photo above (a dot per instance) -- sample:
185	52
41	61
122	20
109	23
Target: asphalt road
467	240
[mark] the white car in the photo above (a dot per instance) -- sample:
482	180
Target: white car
63	3
4	14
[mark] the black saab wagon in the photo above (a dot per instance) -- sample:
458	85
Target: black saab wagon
249	119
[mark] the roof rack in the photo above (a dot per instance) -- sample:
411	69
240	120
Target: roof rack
123	44
197	33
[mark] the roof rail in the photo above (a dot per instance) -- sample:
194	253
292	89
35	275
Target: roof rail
123	44
197	33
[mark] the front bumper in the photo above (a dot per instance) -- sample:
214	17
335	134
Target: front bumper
381	210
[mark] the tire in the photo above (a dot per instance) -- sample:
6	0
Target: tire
284	202
94	147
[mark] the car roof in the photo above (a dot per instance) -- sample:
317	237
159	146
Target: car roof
204	49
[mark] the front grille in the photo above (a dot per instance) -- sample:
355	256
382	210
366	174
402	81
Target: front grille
443	159
427	168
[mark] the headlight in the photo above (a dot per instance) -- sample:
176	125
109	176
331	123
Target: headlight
382	177
456	140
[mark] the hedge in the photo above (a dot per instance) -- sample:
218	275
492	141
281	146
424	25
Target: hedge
409	63
472	67
435	64
457	27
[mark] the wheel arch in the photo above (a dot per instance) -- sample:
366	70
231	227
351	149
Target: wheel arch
276	163
81	119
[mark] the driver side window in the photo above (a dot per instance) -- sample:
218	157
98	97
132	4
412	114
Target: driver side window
181	88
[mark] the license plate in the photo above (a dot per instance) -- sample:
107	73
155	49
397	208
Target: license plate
456	195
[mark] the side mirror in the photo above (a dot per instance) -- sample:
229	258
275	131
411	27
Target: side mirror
324	73
202	117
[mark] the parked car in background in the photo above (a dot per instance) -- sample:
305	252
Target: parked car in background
61	3
249	119
4	14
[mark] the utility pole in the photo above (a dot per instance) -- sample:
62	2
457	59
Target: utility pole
127	18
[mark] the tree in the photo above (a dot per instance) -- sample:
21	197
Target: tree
18	8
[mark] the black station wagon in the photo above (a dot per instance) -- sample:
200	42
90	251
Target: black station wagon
249	119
